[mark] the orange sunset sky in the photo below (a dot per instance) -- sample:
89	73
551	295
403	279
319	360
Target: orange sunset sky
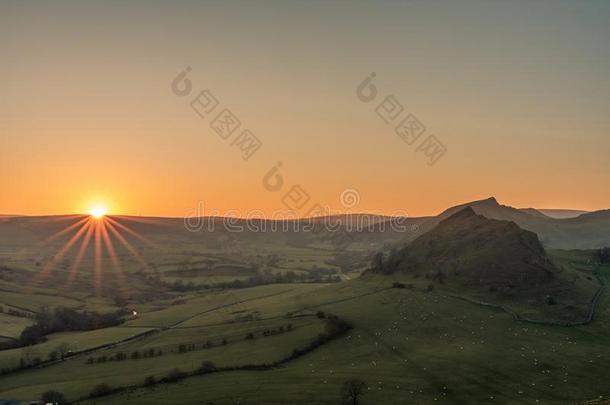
518	93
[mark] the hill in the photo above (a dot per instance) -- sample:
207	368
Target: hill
587	231
494	261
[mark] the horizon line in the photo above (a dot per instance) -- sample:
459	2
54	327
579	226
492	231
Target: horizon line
287	218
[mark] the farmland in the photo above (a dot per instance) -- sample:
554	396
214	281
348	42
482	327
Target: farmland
215	322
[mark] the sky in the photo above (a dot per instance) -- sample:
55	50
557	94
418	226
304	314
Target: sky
517	93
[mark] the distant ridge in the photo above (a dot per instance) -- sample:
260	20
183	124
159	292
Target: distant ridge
562	214
534	212
588	230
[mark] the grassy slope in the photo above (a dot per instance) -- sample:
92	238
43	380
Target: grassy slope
76	340
13	325
194	322
414	347
474	355
411	347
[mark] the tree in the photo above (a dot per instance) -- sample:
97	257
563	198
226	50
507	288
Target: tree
28	354
604	255
174	375
53	397
393	261
377	262
206	367
53	355
63	349
100	390
352	390
150	380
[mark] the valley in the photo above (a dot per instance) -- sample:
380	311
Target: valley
228	318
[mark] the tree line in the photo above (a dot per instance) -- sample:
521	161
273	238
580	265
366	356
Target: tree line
63	319
181	348
15	312
253	281
335	328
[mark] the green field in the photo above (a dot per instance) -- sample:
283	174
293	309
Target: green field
13	325
409	345
412	345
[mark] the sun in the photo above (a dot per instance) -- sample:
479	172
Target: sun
98	211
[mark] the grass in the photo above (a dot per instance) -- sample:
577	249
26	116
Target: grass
411	346
78	341
421	348
13	325
33	302
75	378
407	344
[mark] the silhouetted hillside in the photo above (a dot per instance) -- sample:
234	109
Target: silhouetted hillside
493	261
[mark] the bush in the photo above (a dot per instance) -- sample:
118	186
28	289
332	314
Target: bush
352	390
100	390
150	380
396	284
603	255
53	397
174	375
206	367
334	327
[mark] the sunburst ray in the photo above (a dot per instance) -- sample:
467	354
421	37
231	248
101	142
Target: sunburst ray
48	268
127	245
98	260
80	255
66	230
129	231
113	257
